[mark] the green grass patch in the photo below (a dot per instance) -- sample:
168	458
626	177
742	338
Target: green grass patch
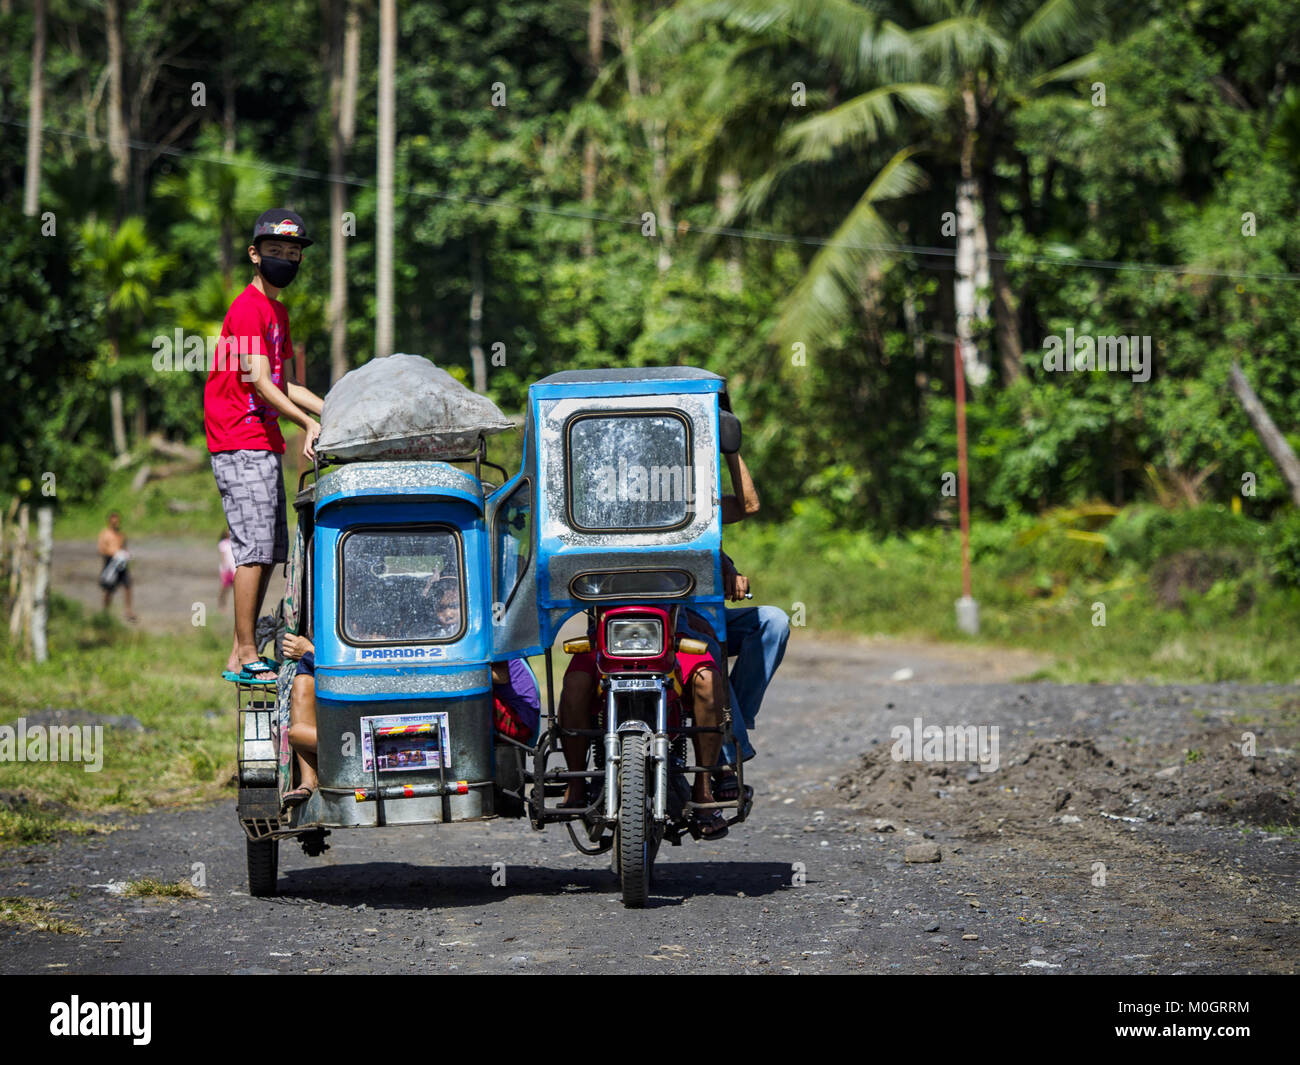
184	750
36	914
19	827
148	887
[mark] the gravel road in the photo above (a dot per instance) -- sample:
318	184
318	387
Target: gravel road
1129	872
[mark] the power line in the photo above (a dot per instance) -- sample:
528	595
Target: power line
1071	262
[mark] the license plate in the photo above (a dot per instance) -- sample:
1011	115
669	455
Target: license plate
622	684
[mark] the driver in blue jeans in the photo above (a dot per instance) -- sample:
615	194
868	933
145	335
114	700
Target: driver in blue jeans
756	635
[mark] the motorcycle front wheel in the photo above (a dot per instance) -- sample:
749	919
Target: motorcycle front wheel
635	842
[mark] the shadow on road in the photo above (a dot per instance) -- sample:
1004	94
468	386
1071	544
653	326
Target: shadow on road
397	886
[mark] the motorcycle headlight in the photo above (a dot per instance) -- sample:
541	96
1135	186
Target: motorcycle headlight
634	637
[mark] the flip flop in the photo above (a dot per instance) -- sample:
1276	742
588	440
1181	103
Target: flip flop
249	670
235	678
296	797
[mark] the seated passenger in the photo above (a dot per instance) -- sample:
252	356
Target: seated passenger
445	593
699	682
517	707
517	702
302	717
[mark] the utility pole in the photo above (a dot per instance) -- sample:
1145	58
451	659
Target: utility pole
968	610
384	233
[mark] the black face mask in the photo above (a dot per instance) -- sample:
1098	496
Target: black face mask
278	272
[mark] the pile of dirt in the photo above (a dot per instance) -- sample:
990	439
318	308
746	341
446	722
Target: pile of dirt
1206	775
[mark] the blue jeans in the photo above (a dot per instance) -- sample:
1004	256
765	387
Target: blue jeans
757	636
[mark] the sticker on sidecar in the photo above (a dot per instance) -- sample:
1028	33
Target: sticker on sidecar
387	653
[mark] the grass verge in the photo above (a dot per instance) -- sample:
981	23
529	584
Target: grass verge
171	740
1166	611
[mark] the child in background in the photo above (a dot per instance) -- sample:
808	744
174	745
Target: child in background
225	568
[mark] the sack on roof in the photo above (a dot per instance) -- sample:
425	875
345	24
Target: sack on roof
404	407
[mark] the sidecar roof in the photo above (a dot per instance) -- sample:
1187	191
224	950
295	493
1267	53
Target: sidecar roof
627	381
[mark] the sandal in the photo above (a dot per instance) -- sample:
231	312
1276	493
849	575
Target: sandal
725	789
296	797
711	823
249	670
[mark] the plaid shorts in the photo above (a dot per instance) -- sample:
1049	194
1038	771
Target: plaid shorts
252	495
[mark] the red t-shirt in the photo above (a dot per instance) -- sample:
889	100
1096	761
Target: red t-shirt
235	416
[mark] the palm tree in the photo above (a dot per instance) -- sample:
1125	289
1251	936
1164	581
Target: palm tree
216	192
991	58
950	71
126	267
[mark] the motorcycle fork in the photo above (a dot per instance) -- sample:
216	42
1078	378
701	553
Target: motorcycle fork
612	756
659	754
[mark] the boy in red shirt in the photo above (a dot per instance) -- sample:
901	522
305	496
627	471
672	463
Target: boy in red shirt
246	393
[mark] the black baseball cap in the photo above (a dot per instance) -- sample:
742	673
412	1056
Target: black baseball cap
282	224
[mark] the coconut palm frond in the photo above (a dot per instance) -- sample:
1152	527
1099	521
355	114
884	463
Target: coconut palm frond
856	37
962	42
863	119
1083	67
1054	26
821	301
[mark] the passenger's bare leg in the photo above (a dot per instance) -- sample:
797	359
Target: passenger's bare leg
302	728
706	704
250	587
575	712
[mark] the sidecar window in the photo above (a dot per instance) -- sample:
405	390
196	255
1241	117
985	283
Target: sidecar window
630	471
512	542
401	586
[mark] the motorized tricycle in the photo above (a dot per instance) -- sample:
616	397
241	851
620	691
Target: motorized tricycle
412	578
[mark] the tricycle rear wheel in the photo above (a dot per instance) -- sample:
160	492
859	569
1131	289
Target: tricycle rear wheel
263	866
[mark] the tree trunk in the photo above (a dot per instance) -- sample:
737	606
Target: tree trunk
965	282
595	55
656	141
1267	431
384	231
228	148
477	361
343	110
119	422
229	144
141	418
657	136
728	196
118	148
1005	312
35	119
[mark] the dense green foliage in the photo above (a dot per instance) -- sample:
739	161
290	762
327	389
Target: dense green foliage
839	356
